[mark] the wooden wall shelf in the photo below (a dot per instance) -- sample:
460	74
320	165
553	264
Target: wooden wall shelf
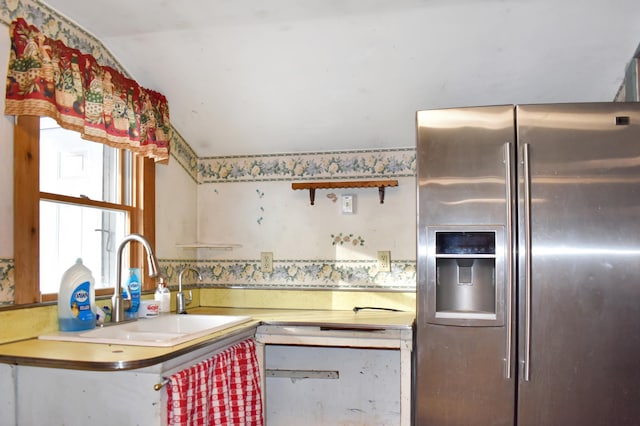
312	186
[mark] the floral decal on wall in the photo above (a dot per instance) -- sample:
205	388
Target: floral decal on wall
261	208
7	288
297	274
346	239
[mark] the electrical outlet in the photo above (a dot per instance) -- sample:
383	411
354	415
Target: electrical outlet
266	261
384	261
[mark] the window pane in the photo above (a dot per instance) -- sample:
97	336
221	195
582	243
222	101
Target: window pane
68	232
70	165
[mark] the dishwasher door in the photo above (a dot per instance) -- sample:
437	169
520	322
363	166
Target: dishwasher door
332	386
335	375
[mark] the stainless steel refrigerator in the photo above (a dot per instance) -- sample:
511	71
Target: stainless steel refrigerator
528	306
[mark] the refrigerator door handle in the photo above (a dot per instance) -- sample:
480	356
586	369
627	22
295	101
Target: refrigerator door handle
509	258
527	261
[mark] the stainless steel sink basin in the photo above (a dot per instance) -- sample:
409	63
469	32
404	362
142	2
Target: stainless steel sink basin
165	330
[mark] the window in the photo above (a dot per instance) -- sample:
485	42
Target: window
75	198
83	171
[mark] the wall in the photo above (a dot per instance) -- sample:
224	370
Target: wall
6	183
248	201
314	247
629	90
177	189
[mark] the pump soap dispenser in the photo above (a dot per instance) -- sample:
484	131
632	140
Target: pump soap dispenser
163	297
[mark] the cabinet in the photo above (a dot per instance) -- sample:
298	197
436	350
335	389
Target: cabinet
123	397
333	375
7	395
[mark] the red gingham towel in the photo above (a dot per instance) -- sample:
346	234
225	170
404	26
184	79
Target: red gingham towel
222	390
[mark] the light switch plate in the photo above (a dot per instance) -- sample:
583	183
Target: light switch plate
347	203
384	261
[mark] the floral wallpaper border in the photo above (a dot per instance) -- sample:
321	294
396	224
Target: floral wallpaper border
387	163
298	274
286	275
7	288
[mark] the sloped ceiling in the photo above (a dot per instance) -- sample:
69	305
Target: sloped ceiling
283	76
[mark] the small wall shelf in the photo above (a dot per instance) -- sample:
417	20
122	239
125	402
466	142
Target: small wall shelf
214	246
312	186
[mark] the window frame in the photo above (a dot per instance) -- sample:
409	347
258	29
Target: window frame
27	196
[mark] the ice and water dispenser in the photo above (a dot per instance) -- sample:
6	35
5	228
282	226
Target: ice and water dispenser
466	276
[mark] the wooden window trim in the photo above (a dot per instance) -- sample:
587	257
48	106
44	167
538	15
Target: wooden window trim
26	230
26	199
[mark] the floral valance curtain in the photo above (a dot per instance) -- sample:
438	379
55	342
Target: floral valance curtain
47	78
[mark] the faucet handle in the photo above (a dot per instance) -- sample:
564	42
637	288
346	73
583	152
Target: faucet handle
126	300
189	299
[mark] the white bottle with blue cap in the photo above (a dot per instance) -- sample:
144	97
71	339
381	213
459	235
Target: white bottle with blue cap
77	299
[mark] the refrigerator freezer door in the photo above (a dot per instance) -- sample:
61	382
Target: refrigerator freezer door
582	316
460	375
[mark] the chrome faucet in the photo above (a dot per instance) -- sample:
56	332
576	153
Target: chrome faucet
117	308
181	302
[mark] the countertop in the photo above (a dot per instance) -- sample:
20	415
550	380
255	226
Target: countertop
108	357
365	318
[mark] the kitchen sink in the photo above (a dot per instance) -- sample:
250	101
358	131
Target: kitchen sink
162	331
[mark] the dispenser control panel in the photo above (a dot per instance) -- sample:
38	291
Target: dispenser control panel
466	275
465	242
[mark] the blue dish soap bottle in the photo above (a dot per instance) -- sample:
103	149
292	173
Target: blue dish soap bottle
134	288
77	299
